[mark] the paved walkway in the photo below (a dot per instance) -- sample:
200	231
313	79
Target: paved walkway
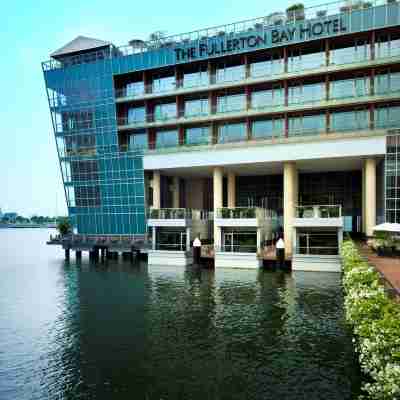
388	266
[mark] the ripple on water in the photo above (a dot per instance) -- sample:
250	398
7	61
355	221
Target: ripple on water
121	331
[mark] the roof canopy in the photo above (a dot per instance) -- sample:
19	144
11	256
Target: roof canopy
387	227
80	44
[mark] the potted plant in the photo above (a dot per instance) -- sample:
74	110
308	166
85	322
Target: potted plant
321	13
295	12
64	226
367	4
391	1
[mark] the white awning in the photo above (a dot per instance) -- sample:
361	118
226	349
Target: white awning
387	227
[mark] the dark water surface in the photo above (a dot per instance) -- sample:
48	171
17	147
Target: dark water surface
122	331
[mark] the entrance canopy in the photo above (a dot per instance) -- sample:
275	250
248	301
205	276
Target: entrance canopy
387	227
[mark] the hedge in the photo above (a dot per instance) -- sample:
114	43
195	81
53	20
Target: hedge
375	319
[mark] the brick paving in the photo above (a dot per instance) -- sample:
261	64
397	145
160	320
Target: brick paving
389	267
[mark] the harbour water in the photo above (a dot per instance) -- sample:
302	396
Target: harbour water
123	331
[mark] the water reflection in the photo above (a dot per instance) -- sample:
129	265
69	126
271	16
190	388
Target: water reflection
120	331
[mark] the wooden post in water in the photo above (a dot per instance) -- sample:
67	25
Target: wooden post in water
67	254
78	255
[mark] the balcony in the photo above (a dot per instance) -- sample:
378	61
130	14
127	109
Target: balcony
154	121
176	217
123	95
242	216
318	216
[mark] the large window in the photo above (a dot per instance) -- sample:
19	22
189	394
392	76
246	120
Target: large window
387	45
138	141
268	98
392	179
195	79
165	111
230	74
298	60
358	51
350	88
307	125
136	114
387	82
134	89
164	84
349	120
387	117
236	102
272	66
232	132
266	129
306	93
167	138
198	135
196	107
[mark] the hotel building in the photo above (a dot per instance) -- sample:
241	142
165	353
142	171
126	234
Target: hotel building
237	133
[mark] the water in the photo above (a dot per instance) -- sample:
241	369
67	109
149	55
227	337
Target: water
136	332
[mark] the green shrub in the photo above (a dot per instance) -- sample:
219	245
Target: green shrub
375	320
64	226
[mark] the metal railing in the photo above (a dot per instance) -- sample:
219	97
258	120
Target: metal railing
319	211
154	118
237	248
169	213
258	25
241	213
318	250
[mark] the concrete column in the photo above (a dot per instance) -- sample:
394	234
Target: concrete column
370	195
363	199
154	233
175	194
156	189
188	231
217	186
67	254
290	195
231	190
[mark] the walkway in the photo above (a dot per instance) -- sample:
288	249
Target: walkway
389	267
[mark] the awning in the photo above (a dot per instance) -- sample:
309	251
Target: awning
387	227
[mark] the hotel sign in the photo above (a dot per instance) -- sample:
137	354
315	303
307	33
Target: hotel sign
273	37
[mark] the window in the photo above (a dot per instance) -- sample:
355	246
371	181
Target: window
138	141
87	196
196	107
84	170
165	111
164	84
198	135
299	60
306	93
349	120
350	88
232	133
387	82
387	117
357	52
230	103
268	98
195	79
272	66
167	139
306	125
267	128
134	88
387	45
230	74
136	114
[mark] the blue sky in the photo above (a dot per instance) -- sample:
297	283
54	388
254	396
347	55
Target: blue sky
30	180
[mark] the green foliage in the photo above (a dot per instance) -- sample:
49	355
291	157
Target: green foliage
295	7
64	226
376	323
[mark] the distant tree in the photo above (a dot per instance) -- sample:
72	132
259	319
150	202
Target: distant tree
157	36
64	226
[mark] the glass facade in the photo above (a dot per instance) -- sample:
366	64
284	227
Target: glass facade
349	120
356	87
236	102
269	128
232	132
196	107
268	98
198	135
306	93
165	111
167	138
230	74
307	125
392	179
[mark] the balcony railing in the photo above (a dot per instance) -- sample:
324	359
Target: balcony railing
271	107
169	213
241	213
319	211
345	59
